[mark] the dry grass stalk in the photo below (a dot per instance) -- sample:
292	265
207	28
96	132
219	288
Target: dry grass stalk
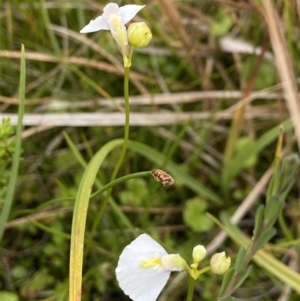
284	65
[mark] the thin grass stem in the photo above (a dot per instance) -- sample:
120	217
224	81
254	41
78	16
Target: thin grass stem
17	151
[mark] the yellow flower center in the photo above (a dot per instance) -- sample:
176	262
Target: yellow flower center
151	262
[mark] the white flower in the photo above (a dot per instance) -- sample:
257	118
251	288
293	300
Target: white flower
114	19
124	14
144	268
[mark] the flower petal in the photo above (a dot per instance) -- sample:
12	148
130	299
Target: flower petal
146	243
129	11
111	8
141	284
99	23
143	247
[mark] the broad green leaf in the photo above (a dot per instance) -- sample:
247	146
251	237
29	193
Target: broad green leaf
194	215
136	192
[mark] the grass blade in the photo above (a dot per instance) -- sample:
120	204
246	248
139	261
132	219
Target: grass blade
17	152
79	218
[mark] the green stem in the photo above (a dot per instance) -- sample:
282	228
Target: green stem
123	152
126	129
122	179
190	289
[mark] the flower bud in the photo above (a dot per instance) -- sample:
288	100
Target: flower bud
198	254
139	34
219	263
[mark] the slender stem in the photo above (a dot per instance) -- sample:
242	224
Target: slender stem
123	151
126	128
202	271
130	55
122	179
190	289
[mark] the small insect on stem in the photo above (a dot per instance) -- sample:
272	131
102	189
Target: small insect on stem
163	177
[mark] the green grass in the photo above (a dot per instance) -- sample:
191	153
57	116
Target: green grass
216	159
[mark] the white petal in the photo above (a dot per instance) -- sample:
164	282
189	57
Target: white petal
143	247
146	243
99	23
141	284
129	11
111	8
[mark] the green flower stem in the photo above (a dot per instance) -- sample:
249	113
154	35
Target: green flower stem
126	128
130	54
190	289
122	179
202	271
194	274
123	151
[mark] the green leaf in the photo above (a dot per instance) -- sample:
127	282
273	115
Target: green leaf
243	277
240	260
8	296
272	210
221	24
136	192
283	178
271	187
242	144
264	238
79	216
264	259
194	215
258	219
226	280
6	129
287	170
